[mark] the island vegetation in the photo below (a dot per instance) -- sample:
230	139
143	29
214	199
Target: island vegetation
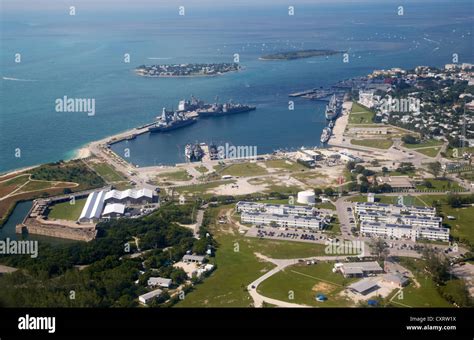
291	55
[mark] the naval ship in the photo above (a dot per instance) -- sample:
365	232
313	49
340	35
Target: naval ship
224	109
171	120
193	152
333	108
326	134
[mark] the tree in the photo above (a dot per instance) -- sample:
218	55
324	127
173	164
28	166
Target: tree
329	191
384	171
379	246
436	265
409	139
435	168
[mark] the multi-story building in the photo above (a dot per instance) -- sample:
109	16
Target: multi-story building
293	221
400	221
279	209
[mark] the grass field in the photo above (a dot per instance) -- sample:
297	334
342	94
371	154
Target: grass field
180	175
243	170
430	152
407	200
284	164
439	184
107	172
202	169
360	115
305	281
431	142
67	211
373	143
227	286
424	296
284	249
201	188
9	185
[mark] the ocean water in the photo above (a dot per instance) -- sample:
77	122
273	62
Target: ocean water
81	56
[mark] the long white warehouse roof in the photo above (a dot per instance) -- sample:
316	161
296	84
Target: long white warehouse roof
129	193
114	208
94	204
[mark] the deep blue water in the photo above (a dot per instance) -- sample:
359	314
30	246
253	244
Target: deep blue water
82	57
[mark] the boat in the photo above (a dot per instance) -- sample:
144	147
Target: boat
193	152
326	134
171	121
224	109
332	109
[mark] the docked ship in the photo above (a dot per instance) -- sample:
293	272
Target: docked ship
193	152
171	120
332	108
326	134
224	109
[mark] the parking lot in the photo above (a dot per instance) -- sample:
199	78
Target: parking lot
288	234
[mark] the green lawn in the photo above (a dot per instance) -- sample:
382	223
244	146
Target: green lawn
243	170
227	286
107	172
439	184
201	188
373	143
12	184
451	153
202	169
305	281
38	185
430	152
431	142
67	211
284	249
180	175
424	296
285	164
463	225
407	200
360	115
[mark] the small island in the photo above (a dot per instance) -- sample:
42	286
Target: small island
186	70
299	54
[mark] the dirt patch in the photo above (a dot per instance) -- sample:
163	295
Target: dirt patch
323	287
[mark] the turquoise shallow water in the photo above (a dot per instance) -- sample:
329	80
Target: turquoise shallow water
82	57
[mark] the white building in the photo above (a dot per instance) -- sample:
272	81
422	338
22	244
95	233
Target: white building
366	98
280	209
159	281
404	231
400	221
129	196
148	297
93	208
306	197
294	221
113	210
358	269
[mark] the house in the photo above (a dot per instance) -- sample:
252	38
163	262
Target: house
148	297
364	286
159	281
398	280
193	259
358	269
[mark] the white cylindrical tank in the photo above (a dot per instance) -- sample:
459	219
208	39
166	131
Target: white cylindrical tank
306	197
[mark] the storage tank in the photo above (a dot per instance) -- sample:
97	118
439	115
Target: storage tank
306	197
